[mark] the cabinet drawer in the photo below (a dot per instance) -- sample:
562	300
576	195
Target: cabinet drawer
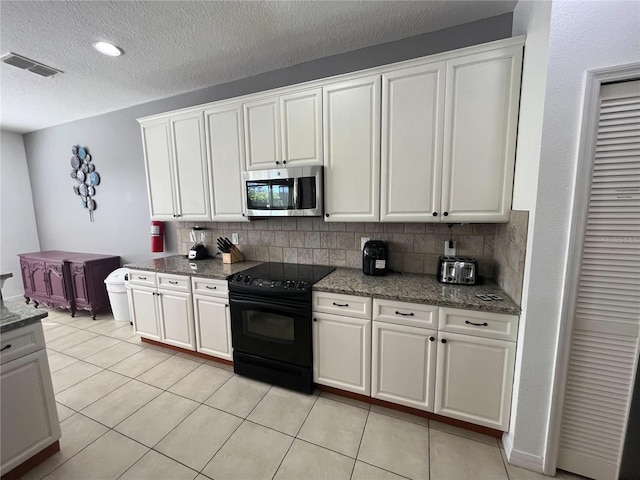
348	305
403	313
139	277
480	324
22	341
210	286
179	283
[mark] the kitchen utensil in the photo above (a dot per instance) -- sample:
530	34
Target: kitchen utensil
221	245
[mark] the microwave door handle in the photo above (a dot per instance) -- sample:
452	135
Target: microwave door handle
295	193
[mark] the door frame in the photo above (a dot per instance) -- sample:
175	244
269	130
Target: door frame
594	79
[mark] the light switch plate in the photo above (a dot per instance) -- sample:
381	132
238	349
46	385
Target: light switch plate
449	252
363	240
234	238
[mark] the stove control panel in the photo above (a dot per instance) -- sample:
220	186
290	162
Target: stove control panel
245	279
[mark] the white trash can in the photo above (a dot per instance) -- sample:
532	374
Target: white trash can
117	289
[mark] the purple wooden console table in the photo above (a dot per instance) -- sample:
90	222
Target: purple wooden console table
73	281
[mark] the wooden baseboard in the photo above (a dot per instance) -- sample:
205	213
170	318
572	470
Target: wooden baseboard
363	398
184	350
33	462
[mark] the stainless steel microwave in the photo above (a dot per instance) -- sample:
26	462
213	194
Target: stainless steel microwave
284	192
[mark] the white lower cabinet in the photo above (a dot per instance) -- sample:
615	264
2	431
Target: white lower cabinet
29	421
164	312
474	379
212	318
404	365
143	311
342	352
176	319
456	363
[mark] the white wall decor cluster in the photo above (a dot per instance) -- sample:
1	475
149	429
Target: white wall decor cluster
85	174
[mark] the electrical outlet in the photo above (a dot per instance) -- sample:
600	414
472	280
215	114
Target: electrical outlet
450	251
234	238
363	240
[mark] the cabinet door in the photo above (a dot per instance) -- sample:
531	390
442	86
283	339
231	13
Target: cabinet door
156	145
474	379
403	365
301	126
412	116
213	326
176	319
143	312
351	132
29	417
79	284
191	173
225	149
481	118
262	133
38	274
342	352
55	278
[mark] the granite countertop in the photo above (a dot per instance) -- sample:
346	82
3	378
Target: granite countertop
416	288
404	287
181	265
17	314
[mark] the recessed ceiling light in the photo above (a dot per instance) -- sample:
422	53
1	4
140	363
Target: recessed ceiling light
108	49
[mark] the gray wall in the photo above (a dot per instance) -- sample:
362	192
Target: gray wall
121	224
18	232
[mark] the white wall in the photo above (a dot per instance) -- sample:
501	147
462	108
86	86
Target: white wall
18	232
583	35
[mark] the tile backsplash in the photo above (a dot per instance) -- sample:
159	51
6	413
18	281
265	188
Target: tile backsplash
510	249
413	247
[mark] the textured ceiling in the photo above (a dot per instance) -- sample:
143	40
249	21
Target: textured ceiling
173	47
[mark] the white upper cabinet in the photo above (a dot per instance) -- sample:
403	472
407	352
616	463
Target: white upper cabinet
351	117
284	130
301	126
225	153
412	119
159	167
262	133
177	176
480	126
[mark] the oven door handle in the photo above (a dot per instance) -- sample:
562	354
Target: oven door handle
280	305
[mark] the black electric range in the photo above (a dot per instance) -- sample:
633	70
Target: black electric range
271	323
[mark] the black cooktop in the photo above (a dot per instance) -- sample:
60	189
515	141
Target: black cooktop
280	276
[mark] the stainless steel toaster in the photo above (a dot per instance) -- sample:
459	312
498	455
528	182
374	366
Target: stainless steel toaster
459	270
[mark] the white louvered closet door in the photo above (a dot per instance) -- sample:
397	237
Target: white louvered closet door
606	330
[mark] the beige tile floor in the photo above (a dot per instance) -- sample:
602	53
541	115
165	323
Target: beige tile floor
133	411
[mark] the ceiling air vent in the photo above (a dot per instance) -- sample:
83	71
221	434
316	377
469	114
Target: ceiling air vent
30	65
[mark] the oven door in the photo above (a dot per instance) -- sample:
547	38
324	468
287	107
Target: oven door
276	328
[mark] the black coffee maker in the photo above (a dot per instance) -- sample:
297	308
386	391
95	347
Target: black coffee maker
375	256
